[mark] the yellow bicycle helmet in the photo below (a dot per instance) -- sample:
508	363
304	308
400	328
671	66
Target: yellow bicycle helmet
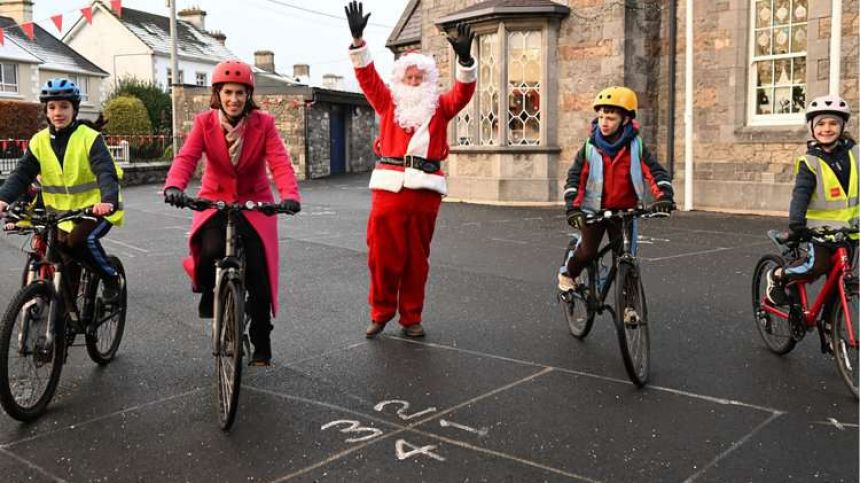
617	96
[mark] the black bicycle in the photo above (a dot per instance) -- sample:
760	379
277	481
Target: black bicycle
630	313
229	338
45	317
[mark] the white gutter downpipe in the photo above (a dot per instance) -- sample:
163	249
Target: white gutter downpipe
688	109
835	46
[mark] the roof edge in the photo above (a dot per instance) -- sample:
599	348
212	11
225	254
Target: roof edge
554	10
408	12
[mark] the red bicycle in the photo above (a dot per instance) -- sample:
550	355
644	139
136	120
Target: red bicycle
833	311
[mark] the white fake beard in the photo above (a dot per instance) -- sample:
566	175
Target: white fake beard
414	106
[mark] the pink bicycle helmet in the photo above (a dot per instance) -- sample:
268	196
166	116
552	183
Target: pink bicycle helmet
233	71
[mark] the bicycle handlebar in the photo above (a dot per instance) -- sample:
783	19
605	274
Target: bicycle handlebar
268	209
41	218
591	218
817	233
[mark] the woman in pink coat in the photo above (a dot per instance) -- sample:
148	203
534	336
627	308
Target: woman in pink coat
239	141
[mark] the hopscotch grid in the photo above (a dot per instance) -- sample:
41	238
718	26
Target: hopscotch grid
32	466
713	399
386	436
735	445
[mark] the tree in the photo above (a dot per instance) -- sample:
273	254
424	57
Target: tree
158	103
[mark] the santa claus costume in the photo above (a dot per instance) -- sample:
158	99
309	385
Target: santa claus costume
407	183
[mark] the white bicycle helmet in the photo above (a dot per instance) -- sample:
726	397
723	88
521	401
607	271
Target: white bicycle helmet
828	105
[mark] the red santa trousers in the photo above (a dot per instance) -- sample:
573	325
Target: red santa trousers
399	232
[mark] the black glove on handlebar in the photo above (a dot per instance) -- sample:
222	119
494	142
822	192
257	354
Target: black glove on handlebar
356	18
174	197
292	206
663	205
575	218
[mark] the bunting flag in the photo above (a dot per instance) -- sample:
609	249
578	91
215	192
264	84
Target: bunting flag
27	27
5	144
87	12
2	37
116	6
58	21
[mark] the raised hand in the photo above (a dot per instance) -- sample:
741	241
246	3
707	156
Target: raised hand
356	18
461	42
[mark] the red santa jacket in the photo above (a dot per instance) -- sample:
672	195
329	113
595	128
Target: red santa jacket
428	141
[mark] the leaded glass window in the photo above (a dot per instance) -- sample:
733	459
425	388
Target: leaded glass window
778	69
478	122
524	87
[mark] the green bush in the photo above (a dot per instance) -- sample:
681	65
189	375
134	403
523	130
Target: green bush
157	102
127	115
20	120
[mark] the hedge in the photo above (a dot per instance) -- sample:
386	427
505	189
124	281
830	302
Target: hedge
20	120
127	115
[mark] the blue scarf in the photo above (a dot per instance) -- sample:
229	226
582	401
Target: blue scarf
623	138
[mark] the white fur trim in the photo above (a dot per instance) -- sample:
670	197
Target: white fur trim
386	180
419	180
419	143
467	75
360	57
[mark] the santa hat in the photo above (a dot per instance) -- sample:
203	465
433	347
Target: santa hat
421	61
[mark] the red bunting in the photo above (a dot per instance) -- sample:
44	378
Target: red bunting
27	27
87	12
58	21
116	6
2	37
5	144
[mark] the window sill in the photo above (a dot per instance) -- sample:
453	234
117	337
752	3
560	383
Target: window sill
10	95
505	150
771	134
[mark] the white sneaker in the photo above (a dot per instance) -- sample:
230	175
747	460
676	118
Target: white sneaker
775	292
565	283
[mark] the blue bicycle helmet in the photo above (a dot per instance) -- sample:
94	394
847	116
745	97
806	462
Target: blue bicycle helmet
60	89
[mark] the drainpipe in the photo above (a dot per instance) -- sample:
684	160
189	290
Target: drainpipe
688	110
835	45
670	126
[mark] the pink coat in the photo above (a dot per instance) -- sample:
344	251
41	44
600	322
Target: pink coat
248	181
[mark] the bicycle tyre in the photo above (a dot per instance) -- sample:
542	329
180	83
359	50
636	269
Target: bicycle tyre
579	316
631	322
228	354
846	356
35	295
774	331
102	345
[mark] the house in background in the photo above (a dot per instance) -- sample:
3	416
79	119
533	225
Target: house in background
139	45
26	64
541	62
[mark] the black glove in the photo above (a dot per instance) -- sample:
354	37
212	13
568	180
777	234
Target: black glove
292	206
356	18
575	218
174	196
663	205
461	42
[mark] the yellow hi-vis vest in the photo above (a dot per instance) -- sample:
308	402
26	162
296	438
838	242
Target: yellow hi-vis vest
73	185
830	204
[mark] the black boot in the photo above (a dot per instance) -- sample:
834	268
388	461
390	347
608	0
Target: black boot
259	333
111	289
205	308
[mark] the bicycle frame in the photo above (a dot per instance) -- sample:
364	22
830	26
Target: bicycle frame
627	253
833	285
234	264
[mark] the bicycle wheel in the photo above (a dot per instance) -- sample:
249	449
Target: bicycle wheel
631	322
105	330
775	331
845	353
29	367
228	353
574	304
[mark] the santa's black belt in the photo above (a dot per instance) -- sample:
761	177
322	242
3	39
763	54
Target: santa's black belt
417	162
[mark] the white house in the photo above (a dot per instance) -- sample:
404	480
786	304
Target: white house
137	44
26	64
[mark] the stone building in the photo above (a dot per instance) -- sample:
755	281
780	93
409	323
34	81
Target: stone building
755	64
326	131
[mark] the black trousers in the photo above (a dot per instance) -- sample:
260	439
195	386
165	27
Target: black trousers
213	245
589	244
82	246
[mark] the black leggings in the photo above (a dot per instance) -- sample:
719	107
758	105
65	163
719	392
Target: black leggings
212	239
589	244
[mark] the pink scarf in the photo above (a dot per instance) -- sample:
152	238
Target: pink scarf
235	135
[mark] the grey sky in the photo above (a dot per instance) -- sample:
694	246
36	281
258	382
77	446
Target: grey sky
293	35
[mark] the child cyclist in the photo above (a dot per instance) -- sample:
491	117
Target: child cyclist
77	171
612	171
825	192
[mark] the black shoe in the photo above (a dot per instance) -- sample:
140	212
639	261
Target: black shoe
205	308
262	353
111	289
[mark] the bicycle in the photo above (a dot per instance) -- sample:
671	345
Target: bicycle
45	317
782	328
630	314
229	335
